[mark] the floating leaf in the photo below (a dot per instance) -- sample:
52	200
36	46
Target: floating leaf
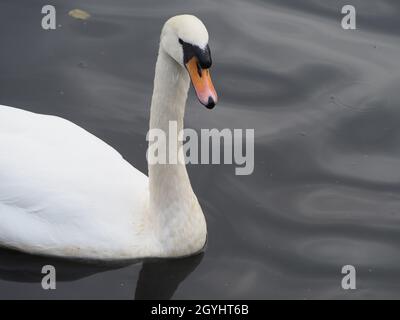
79	14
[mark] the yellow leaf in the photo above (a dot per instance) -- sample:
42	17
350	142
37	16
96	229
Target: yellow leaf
79	14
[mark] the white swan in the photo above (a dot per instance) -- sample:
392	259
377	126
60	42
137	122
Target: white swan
64	192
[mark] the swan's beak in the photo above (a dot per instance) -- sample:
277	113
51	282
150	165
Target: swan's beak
201	80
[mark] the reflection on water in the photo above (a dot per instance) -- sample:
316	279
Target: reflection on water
324	105
157	279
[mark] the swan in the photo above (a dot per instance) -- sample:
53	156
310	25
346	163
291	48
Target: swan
66	193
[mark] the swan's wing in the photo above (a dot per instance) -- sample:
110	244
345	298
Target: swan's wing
60	186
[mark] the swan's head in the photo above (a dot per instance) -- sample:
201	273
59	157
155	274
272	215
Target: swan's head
185	39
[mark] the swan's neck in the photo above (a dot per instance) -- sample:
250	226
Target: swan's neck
174	210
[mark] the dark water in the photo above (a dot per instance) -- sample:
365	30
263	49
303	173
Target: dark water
324	103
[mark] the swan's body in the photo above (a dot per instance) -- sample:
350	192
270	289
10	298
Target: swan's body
64	192
67	193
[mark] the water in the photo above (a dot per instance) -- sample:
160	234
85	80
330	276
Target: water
324	103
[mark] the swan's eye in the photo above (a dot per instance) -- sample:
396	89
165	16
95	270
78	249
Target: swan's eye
180	41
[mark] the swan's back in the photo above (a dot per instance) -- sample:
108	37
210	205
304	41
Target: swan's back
61	187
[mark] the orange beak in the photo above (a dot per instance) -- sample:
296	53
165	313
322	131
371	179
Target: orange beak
201	80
